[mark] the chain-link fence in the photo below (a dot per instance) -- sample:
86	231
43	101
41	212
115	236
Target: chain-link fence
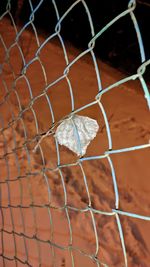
38	205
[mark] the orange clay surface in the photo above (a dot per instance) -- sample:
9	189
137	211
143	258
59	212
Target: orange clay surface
129	122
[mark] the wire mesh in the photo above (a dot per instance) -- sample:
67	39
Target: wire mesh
23	180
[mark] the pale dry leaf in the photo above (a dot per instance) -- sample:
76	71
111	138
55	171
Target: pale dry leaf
76	133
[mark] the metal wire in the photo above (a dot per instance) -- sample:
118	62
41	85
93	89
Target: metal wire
27	145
